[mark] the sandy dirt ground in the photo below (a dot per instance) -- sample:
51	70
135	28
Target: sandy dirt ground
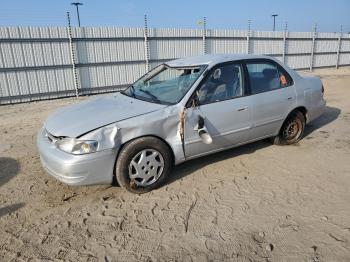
258	202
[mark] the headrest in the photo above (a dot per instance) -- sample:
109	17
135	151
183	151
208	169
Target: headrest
217	73
270	73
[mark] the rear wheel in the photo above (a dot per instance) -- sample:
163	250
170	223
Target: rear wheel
143	164
292	129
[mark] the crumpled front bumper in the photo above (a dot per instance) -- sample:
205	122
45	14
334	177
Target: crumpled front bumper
89	169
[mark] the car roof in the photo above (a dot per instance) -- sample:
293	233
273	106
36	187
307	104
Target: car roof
211	59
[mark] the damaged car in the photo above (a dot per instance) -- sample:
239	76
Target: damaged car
180	110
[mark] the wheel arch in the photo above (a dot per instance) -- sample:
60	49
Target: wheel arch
154	136
301	109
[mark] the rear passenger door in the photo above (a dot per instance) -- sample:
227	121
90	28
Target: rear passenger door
273	96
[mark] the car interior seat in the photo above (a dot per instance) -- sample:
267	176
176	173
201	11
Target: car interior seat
272	77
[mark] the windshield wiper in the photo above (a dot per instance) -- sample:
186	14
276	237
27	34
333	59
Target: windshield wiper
153	97
129	93
132	91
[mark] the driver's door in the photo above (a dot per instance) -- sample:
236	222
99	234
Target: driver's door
225	109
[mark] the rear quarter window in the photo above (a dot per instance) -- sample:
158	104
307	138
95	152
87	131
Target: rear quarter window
267	76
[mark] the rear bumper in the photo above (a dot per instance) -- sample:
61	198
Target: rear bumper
88	169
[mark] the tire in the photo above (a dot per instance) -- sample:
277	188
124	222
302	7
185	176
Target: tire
143	164
292	130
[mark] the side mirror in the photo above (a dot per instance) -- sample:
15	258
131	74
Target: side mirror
203	132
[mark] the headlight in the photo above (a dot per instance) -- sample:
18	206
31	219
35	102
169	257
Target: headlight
77	147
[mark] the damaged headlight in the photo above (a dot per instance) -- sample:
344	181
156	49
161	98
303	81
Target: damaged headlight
77	147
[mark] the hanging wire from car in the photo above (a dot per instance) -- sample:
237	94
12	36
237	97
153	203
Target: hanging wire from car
182	129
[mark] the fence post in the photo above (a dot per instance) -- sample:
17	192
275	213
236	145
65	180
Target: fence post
285	35
339	46
204	35
313	47
146	45
71	47
248	37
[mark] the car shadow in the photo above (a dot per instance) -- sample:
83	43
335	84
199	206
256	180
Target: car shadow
187	168
10	209
9	168
330	114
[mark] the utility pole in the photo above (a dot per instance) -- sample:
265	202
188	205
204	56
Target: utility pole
204	35
146	44
313	47
274	21
203	24
77	7
72	56
339	46
285	35
249	35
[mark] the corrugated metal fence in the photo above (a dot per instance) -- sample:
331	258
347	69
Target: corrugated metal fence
36	62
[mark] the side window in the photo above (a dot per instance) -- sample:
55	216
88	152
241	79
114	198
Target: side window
265	76
225	82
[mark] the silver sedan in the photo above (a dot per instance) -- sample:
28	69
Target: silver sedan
178	111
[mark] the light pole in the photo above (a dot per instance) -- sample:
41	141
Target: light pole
77	6
274	21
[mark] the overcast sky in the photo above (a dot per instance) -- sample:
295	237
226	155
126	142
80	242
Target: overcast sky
301	15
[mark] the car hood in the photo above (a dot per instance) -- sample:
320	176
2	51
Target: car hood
78	119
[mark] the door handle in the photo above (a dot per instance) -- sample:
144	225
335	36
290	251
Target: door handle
291	98
242	109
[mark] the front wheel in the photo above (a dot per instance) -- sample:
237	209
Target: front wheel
292	129
143	164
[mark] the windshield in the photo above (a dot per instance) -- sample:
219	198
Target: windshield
164	84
